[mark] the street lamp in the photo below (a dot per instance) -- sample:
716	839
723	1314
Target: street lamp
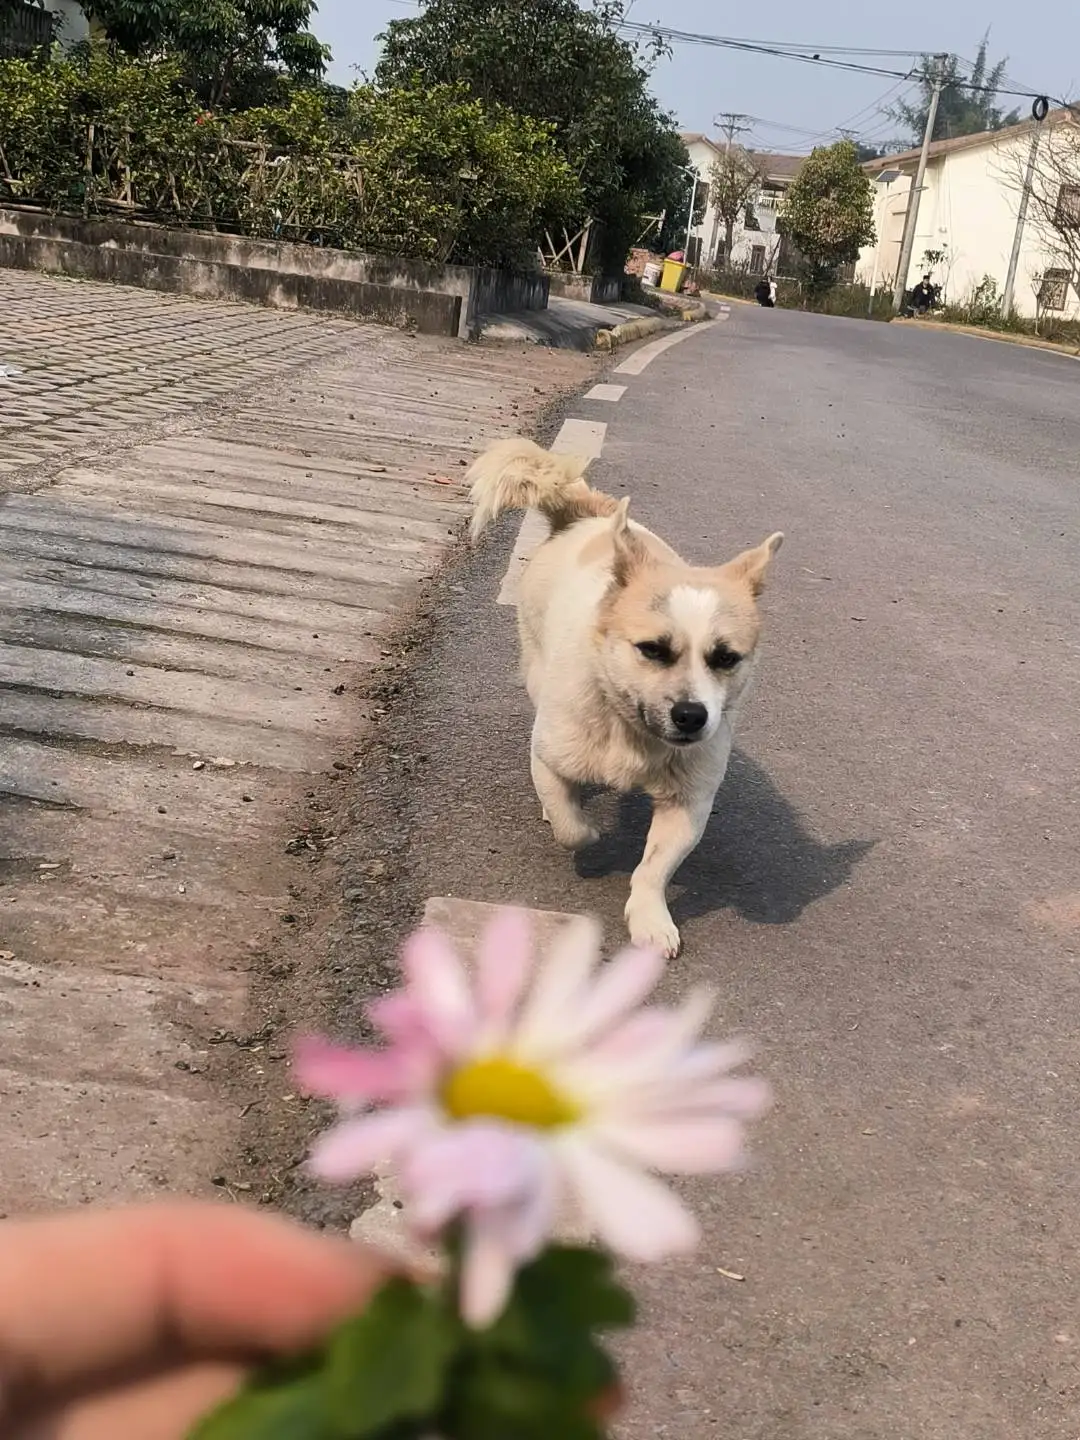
690	170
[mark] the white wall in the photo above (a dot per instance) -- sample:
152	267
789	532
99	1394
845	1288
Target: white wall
711	228
969	208
702	158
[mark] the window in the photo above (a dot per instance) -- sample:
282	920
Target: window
1067	214
1054	290
757	260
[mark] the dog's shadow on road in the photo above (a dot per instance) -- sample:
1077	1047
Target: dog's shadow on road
756	857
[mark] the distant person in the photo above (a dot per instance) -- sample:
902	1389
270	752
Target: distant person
923	296
765	293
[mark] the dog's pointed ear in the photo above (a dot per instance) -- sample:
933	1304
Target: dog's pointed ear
630	553
751	565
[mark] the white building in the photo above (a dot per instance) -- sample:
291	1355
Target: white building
759	249
968	216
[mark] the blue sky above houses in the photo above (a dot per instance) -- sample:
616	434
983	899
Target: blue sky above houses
793	104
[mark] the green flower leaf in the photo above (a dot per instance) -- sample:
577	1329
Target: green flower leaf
534	1373
558	1303
279	1405
390	1364
495	1403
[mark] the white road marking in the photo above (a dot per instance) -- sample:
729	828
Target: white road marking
606	392
577	437
534	531
580	437
634	364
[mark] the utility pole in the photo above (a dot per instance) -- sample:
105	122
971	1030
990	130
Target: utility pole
690	222
730	123
1038	113
911	219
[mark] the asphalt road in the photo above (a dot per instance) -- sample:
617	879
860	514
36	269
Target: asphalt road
888	898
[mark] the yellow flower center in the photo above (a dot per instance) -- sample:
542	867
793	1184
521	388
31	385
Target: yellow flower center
504	1090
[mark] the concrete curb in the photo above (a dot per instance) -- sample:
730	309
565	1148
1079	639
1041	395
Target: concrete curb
692	312
1005	337
632	330
727	299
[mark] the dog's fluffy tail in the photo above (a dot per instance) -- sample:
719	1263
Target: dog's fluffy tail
518	475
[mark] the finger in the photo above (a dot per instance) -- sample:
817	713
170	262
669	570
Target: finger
161	1407
80	1295
607	1405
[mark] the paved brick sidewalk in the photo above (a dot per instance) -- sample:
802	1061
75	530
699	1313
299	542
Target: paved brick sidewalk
93	361
189	619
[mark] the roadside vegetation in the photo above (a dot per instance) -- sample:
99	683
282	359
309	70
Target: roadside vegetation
478	151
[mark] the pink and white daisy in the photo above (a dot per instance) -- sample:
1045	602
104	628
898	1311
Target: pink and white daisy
526	1087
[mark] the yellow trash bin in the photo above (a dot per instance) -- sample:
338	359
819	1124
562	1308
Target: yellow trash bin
674	274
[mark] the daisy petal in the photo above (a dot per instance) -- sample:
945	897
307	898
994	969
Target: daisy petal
683	1145
662	1035
488	1267
690	1018
634	1214
482	1165
705	1061
672	1098
745	1097
438	984
558	987
498	1242
400	1017
356	1147
619	987
503	966
351	1077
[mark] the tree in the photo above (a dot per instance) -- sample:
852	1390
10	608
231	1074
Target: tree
1053	214
828	212
568	67
967	102
733	182
235	53
864	152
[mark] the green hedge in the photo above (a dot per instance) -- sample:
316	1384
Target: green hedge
852	301
432	175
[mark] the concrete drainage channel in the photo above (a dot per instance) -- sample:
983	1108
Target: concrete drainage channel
189	630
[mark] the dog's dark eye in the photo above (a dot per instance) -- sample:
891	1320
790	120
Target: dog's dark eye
723	658
656	650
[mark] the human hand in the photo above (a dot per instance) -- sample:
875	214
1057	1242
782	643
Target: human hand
131	1324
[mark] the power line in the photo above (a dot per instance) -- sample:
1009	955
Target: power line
913	52
823	55
858	123
818	57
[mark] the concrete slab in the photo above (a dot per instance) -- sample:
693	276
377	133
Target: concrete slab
214	519
565	324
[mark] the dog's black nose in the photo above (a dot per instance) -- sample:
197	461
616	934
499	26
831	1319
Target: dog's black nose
689	716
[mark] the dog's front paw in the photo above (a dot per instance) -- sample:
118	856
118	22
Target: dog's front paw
652	928
572	832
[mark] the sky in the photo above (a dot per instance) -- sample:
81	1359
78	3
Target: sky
793	105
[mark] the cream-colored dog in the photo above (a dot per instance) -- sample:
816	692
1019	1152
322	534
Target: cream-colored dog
636	663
